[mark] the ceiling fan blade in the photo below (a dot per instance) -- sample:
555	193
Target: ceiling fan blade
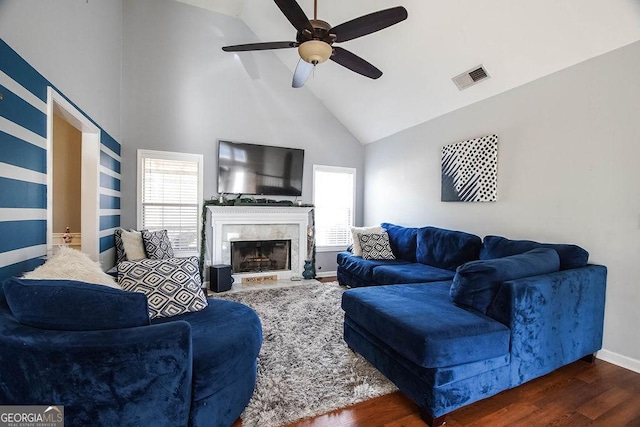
354	63
368	24
303	71
259	46
294	13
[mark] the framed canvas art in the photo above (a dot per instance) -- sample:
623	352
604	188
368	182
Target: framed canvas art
470	170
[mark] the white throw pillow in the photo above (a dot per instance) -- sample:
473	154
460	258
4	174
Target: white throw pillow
71	264
357	231
133	245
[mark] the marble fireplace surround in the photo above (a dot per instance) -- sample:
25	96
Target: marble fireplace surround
240	223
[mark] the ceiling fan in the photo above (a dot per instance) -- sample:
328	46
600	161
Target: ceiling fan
315	39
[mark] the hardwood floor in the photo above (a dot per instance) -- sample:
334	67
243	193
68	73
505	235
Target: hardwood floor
579	394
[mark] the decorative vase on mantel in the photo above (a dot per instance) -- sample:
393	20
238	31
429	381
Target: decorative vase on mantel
308	272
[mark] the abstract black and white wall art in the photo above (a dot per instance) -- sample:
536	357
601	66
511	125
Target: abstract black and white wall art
470	170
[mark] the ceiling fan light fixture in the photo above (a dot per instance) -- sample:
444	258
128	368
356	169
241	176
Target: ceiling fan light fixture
315	39
315	51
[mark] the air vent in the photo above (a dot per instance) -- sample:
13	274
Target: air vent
471	77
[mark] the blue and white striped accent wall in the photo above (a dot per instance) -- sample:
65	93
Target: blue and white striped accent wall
23	168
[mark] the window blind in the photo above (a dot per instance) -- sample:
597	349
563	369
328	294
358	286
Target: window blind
170	200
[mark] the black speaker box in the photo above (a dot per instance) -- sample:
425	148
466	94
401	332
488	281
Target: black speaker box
220	278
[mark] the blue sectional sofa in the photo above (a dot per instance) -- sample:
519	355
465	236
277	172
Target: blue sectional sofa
93	349
449	335
426	254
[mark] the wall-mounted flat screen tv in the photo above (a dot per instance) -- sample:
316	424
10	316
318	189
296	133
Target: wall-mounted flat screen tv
259	169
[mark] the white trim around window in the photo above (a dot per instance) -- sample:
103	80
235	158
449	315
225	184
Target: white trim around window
171	204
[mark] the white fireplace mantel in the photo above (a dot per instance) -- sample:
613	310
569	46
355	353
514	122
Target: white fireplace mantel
237	223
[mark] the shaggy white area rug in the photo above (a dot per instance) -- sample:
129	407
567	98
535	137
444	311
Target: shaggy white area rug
305	368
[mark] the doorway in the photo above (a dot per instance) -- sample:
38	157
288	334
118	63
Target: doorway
67	179
73	161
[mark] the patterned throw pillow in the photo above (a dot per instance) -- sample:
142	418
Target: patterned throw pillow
376	246
157	244
355	235
121	255
172	286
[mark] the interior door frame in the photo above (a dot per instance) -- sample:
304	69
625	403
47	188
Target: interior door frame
90	173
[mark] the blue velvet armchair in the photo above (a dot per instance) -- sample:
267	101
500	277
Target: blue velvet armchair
93	350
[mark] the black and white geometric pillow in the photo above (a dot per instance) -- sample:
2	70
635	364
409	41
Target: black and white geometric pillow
376	246
157	244
121	255
172	286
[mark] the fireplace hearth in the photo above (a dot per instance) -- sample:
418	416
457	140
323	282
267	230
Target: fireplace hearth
257	256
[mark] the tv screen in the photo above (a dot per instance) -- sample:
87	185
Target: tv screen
259	169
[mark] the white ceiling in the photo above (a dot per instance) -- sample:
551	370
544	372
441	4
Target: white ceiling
517	42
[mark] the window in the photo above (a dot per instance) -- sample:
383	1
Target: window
334	200
170	197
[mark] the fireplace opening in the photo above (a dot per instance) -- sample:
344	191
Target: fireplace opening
255	256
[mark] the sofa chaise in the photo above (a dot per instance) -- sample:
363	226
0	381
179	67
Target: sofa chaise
449	335
93	349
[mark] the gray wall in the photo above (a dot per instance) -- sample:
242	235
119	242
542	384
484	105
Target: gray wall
182	93
567	172
77	46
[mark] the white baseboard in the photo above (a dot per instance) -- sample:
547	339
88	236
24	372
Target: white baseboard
620	360
327	274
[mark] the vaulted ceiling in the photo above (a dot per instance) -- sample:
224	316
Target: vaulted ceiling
516	41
